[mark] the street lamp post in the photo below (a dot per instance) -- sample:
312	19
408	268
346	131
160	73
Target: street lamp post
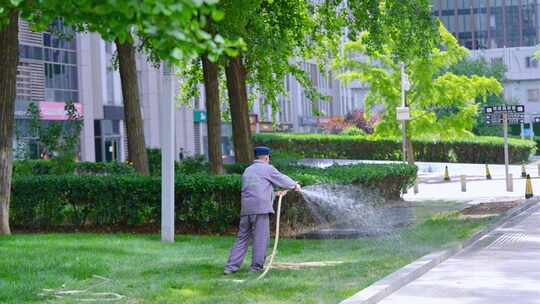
167	111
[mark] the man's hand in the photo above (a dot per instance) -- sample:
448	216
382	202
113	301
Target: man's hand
281	193
297	188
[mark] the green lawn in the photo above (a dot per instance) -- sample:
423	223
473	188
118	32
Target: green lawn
190	270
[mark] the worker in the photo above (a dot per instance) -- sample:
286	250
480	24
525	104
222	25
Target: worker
257	200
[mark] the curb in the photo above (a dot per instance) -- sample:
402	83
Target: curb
394	281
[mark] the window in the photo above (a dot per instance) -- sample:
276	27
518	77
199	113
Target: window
496	60
531	62
533	95
30	52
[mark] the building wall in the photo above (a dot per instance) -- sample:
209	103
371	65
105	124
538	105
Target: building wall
486	24
522	83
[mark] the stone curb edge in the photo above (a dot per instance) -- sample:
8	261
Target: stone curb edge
394	281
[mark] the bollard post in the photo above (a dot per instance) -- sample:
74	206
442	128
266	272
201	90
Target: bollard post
463	183
446	175
538	169
415	189
488	174
528	188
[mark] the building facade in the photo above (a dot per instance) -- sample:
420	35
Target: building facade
505	31
489	24
59	66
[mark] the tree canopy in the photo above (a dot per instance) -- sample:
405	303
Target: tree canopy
441	102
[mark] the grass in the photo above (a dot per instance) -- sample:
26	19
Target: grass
190	270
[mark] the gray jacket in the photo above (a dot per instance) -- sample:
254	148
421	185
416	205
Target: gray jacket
257	187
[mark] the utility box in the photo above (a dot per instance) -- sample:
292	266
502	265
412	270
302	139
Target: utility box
403	113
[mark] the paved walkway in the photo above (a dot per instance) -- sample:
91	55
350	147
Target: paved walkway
501	268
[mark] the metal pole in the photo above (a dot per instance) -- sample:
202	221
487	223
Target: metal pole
522	130
167	157
531	133
403	122
506	159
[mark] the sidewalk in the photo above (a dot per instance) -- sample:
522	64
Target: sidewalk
501	268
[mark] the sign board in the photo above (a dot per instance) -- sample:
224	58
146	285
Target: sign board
504	108
494	114
50	110
497	118
403	113
199	116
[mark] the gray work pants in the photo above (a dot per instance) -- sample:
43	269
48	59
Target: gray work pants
257	228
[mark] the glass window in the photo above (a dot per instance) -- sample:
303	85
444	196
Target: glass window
531	62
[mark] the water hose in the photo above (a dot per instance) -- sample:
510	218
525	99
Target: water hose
276	238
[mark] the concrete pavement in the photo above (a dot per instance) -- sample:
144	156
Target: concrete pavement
501	268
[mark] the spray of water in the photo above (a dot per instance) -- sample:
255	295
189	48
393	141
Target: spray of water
351	211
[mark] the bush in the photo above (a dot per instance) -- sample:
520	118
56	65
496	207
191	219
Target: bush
475	150
48	167
352	131
203	202
206	202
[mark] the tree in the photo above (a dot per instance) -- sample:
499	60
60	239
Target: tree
441	103
132	106
213	117
274	32
172	30
8	75
481	67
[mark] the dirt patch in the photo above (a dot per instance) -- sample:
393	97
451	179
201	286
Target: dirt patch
489	209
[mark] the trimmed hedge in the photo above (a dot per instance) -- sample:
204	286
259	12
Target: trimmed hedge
203	202
475	150
46	167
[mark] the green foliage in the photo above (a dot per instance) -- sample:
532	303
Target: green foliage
58	138
373	148
441	104
50	167
170	30
203	202
408	25
353	131
481	67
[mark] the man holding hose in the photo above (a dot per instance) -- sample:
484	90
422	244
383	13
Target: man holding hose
258	183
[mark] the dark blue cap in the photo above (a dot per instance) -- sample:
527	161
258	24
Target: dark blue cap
259	151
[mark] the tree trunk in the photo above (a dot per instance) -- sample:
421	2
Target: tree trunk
132	107
410	151
213	114
9	59
238	102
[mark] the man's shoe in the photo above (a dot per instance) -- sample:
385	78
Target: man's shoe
256	270
227	272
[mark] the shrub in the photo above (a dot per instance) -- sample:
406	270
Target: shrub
352	131
203	202
47	167
475	150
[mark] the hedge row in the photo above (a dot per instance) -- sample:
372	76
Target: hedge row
474	150
46	167
203	202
